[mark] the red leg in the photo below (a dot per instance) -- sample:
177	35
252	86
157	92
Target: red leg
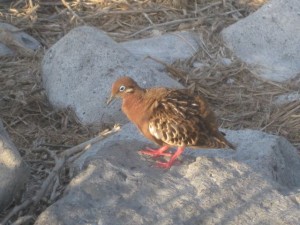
168	164
156	152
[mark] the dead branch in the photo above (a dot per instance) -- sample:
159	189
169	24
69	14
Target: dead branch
86	145
23	220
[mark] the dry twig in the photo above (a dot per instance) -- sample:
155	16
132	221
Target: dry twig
72	11
162	25
86	145
23	220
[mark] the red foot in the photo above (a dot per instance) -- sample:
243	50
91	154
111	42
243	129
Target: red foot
168	164
156	152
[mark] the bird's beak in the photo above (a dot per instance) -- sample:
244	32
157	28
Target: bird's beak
111	98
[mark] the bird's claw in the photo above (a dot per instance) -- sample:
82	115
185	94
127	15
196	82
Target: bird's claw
154	152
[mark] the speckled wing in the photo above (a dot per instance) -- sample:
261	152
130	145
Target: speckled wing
179	120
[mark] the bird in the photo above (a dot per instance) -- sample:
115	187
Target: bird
169	117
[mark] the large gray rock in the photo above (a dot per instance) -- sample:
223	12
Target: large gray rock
79	69
258	184
23	39
269	39
13	171
167	48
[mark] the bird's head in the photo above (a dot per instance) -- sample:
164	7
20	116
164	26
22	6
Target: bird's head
123	87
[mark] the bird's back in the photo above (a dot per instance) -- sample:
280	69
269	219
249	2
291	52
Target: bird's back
180	119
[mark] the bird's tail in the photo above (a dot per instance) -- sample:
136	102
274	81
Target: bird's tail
221	141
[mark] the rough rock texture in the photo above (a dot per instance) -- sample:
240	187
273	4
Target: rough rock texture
167	48
13	171
79	69
255	185
269	39
22	38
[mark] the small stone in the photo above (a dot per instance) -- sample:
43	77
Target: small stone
10	83
287	98
199	65
226	61
156	33
230	81
20	37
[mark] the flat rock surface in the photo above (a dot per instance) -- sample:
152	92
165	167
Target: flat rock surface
13	171
20	37
257	184
269	39
167	48
79	69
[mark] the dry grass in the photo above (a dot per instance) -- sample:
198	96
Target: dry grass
240	98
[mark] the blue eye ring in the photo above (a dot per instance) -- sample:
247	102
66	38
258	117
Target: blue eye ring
122	88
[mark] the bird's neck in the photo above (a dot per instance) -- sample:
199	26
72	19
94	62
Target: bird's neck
135	106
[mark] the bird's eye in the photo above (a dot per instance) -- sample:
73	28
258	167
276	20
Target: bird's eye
122	88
